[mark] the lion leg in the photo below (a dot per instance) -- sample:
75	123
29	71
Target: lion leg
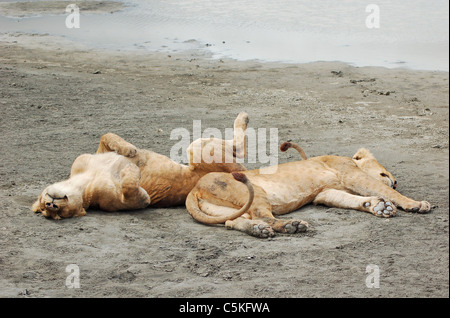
261	216
256	228
240	126
112	143
342	199
289	226
362	184
262	211
213	154
220	195
133	196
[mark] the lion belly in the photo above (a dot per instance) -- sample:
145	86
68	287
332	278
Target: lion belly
294	184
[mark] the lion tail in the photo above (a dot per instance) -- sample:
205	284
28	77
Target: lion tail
286	145
195	211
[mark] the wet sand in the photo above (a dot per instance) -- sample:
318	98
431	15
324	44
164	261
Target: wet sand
58	98
22	9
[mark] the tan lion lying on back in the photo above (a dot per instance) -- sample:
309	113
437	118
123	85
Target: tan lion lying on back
123	177
248	200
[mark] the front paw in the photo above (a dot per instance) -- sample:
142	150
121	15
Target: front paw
129	151
419	207
381	208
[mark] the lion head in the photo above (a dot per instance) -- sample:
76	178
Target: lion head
367	162
56	203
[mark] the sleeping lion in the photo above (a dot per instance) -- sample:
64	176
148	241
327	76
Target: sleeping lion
248	200
122	177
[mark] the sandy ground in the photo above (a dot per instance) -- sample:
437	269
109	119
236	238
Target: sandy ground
57	99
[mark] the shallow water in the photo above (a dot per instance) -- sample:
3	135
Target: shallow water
412	34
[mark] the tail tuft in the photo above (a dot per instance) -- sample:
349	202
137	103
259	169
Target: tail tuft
240	177
285	146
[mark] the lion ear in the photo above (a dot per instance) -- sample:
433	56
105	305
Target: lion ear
38	206
363	153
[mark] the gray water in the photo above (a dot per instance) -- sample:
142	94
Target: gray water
412	34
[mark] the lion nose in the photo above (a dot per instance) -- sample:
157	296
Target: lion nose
49	205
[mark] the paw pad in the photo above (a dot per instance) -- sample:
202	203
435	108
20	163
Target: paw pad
296	227
262	230
384	209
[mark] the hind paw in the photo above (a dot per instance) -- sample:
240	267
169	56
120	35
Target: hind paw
255	228
287	226
262	230
295	226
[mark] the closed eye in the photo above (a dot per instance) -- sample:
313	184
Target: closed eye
56	198
393	183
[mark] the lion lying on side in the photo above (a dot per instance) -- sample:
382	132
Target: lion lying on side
123	177
359	183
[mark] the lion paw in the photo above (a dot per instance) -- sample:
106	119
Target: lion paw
129	151
419	207
381	208
262	230
295	226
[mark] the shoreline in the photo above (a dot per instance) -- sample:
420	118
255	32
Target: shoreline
47	41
